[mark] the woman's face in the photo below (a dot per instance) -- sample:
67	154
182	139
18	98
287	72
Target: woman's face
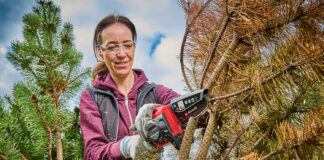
117	49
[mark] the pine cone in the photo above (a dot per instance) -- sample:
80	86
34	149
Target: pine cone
76	110
34	98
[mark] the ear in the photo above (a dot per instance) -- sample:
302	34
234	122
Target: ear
100	52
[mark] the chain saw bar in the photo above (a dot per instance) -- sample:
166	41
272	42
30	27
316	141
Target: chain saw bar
169	122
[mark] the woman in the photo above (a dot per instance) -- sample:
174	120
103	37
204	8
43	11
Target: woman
109	108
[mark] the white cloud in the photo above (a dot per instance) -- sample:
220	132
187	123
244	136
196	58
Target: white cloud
147	4
164	67
83	40
148	15
83	35
2	84
3	50
143	26
166	57
10	68
71	8
167	52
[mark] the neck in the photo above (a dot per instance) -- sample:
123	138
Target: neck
124	84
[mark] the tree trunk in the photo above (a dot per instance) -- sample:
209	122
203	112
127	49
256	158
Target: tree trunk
59	146
187	139
207	139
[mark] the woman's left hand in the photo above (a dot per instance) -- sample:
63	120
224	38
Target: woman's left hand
144	115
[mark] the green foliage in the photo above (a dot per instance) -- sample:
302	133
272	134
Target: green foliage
39	109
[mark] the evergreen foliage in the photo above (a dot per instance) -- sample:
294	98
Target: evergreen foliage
262	62
37	121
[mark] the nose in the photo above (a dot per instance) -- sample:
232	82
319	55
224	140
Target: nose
120	52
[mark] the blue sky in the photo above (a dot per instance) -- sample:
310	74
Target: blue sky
160	25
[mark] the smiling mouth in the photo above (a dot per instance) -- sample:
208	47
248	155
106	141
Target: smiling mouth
121	64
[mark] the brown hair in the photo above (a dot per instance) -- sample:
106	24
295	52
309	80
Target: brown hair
101	68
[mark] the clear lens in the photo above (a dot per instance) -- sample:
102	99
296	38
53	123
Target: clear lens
116	48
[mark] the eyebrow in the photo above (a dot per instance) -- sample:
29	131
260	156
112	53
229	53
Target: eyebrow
113	42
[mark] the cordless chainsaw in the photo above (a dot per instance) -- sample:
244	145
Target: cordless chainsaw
169	122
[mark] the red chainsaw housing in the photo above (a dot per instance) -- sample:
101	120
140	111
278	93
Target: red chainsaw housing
173	121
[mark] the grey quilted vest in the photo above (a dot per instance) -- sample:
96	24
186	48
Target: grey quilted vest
108	107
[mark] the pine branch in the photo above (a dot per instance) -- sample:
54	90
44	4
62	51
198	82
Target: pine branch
57	123
270	78
69	76
39	42
3	156
279	25
261	138
74	122
23	59
187	139
41	114
31	70
292	147
44	10
291	110
239	134
32	51
51	36
51	47
47	127
301	14
61	54
44	59
35	100
70	82
226	7
10	139
194	73
215	44
33	73
221	64
69	126
22	156
213	122
184	40
66	83
207	139
53	20
296	154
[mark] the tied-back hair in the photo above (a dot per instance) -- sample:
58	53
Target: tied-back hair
101	68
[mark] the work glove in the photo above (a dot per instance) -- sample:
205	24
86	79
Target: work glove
137	148
144	115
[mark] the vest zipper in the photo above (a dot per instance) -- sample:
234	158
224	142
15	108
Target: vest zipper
129	113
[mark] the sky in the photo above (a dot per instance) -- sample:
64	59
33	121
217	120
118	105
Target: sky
160	27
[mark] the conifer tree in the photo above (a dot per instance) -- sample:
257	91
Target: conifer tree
262	62
38	121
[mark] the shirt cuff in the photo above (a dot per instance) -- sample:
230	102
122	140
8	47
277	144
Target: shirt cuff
115	149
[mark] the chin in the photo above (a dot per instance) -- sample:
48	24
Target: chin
123	72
